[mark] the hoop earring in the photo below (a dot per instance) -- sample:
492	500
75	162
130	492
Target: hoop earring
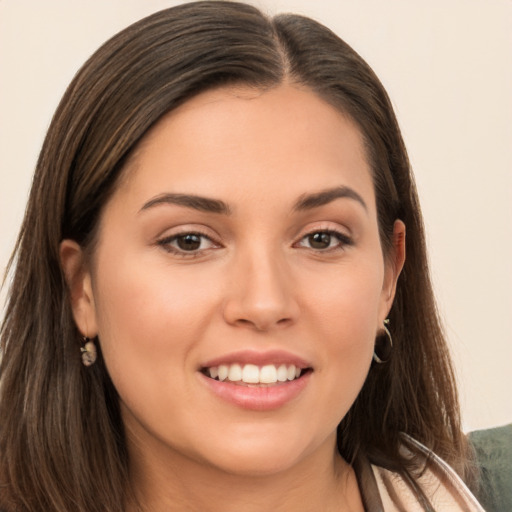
385	348
89	353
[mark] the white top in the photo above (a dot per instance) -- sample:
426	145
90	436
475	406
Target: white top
441	485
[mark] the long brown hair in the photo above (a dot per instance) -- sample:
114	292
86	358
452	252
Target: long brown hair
62	443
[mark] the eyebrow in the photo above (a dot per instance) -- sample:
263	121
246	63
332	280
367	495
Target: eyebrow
317	199
210	205
203	204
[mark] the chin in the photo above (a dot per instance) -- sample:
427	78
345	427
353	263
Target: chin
257	466
261	456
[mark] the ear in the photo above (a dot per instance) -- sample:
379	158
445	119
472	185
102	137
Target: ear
78	279
393	266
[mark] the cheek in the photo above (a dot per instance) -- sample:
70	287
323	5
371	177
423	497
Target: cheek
150	321
138	295
347	302
148	315
345	314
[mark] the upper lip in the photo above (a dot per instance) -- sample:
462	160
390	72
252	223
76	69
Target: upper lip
258	358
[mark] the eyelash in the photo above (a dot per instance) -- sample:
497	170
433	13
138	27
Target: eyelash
343	241
167	241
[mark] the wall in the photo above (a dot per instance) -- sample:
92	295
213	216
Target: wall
447	67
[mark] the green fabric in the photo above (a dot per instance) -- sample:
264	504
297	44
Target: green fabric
493	449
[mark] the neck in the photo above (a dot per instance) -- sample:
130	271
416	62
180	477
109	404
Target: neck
167	481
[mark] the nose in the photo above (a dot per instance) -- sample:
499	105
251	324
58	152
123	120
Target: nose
260	294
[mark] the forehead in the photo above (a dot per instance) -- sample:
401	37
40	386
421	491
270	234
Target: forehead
237	140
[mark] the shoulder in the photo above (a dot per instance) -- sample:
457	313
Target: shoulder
439	482
493	449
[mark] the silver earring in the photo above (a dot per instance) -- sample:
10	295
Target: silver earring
385	348
89	353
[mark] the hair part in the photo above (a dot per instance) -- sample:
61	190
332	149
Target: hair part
62	444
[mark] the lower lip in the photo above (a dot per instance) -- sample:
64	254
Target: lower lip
265	398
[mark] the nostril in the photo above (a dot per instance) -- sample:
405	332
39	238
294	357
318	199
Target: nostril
262	324
243	321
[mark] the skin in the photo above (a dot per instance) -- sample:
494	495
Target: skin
256	282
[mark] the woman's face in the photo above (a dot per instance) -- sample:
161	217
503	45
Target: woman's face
242	240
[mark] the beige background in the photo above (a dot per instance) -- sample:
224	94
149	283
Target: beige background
447	65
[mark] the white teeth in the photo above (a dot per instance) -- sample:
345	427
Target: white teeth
282	373
235	373
268	374
252	374
223	372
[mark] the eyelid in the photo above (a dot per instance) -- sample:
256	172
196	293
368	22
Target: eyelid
165	241
345	238
184	229
325	226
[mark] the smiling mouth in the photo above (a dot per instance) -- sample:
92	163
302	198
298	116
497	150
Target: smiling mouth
253	375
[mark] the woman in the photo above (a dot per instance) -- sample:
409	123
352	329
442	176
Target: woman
217	311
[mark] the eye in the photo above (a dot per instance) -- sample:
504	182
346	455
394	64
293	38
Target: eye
187	243
325	240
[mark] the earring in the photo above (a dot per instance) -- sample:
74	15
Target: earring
385	348
89	353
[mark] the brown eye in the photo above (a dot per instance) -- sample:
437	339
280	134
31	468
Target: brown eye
320	240
188	242
323	241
